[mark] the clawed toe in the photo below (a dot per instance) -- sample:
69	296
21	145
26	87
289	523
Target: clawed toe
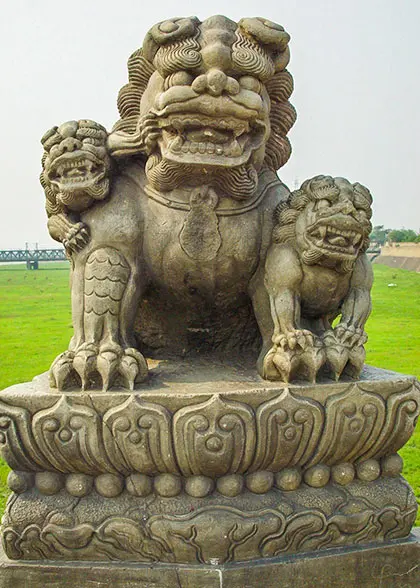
301	353
92	367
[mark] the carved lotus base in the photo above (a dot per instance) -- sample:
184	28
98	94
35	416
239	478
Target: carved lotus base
206	462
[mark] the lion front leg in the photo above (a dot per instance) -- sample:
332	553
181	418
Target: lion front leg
74	235
101	352
349	336
287	346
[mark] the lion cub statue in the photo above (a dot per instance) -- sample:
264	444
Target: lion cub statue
75	174
316	270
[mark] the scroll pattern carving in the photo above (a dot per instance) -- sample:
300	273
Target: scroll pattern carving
354	419
137	437
211	534
17	443
288	430
69	435
215	437
402	412
212	438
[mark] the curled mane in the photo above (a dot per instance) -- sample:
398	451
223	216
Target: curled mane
279	88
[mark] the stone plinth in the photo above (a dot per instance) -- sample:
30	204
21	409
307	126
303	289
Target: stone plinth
391	565
208	464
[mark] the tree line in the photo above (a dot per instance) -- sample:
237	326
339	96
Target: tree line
381	235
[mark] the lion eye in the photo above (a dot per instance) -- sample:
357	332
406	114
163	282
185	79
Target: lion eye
323	203
179	78
250	83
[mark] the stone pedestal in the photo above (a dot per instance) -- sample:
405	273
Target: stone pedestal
207	465
392	565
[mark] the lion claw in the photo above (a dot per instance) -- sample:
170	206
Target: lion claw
300	351
297	338
111	365
337	357
76	238
133	368
85	364
61	370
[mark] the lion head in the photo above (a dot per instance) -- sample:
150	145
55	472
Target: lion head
207	99
327	219
76	165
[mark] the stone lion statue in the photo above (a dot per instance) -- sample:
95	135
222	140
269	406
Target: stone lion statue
76	171
170	257
316	269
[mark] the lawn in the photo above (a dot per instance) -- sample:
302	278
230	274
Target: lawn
35	325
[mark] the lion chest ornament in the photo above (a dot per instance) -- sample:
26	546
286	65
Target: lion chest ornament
181	237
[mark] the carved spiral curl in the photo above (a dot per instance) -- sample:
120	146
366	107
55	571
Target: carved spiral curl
178	56
277	151
163	175
249	57
321	187
363	199
280	87
239	182
50	138
139	72
282	116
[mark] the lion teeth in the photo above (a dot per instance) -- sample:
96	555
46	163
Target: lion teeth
233	149
236	149
176	144
322	231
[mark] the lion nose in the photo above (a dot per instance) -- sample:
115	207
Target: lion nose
70	144
215	82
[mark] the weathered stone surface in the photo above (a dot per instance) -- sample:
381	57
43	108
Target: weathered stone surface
393	564
175	526
210	418
216	469
177	216
186	248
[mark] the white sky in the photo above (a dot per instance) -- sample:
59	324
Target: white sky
357	90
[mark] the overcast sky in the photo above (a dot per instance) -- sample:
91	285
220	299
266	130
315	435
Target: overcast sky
356	65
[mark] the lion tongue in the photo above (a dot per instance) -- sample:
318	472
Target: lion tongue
338	240
209	134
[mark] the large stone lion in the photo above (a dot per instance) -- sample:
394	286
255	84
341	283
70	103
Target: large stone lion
169	258
163	263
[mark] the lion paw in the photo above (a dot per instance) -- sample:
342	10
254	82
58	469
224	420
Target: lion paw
76	238
91	365
349	335
279	363
300	352
294	339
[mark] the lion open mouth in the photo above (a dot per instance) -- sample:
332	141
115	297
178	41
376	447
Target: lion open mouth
76	170
336	239
226	142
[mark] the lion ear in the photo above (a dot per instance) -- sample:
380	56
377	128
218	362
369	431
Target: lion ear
129	97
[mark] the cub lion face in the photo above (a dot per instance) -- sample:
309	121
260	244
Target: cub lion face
76	164
216	95
329	220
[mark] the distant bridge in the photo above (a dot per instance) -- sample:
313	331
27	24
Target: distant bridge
32	257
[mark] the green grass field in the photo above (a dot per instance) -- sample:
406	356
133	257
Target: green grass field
35	325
